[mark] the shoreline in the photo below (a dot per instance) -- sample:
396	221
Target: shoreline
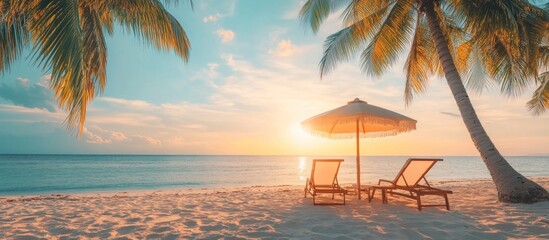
201	190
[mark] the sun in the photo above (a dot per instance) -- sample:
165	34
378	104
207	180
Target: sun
299	133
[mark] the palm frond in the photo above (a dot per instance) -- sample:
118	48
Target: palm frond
360	9
489	16
419	64
342	45
94	49
476	75
14	34
540	99
463	55
149	20
176	2
533	32
365	27
314	12
58	36
337	47
471	63
509	70
543	56
391	39
508	33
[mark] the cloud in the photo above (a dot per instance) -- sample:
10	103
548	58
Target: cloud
276	33
225	35
212	70
94	138
137	104
208	74
212	18
451	114
284	48
46	78
111	135
118	136
104	136
28	94
23	81
228	9
149	139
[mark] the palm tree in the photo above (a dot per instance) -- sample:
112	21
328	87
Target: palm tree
383	29
67	37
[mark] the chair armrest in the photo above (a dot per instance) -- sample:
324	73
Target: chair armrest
383	180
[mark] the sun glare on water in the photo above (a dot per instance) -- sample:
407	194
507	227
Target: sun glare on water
302	163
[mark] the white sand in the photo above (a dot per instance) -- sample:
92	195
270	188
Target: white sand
270	212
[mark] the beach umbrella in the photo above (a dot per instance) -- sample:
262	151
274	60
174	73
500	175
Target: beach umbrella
358	119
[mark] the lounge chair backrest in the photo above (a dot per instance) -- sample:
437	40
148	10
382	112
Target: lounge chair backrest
413	171
324	171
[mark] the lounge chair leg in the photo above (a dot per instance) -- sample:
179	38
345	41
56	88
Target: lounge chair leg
447	203
333	194
418	202
314	200
306	187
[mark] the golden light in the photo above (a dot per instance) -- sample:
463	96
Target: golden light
300	134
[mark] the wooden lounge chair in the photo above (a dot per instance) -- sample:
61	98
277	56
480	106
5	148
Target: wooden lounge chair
324	180
408	180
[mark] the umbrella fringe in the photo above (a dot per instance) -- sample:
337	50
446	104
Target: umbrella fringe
367	120
401	126
362	135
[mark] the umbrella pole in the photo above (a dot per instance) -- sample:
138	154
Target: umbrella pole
357	161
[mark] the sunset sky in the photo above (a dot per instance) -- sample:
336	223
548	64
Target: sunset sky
252	78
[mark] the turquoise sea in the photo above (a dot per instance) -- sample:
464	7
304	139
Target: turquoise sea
48	174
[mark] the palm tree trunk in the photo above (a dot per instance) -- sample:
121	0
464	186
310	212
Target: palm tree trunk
511	186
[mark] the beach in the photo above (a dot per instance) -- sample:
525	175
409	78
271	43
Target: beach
270	212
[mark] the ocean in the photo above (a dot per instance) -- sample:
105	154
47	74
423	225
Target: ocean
52	174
